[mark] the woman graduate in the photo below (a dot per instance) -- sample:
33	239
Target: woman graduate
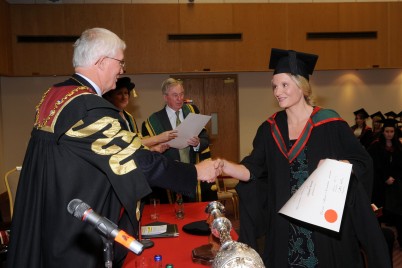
286	150
387	157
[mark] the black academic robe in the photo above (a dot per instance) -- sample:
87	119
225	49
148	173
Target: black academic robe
79	149
329	138
158	123
387	164
366	136
131	123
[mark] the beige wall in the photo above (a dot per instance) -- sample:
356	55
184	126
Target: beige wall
343	91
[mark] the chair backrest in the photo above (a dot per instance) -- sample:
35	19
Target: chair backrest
230	183
11	179
226	182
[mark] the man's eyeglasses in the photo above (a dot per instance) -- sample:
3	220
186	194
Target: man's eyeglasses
121	62
176	95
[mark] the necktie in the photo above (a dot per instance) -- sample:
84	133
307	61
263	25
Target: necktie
185	152
178	118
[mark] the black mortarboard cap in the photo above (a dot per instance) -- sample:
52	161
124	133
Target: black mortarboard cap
197	228
389	122
125	82
377	114
293	62
399	115
362	112
390	114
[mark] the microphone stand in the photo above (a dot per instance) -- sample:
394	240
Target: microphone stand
108	252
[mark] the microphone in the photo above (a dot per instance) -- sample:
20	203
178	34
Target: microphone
104	226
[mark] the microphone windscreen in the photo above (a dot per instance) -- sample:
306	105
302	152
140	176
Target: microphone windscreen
77	208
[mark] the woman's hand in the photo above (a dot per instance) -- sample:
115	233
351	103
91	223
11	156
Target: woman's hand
161	147
167	136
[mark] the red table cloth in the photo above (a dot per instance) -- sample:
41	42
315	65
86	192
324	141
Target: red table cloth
174	250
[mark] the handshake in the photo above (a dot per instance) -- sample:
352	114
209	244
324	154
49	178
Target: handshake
209	170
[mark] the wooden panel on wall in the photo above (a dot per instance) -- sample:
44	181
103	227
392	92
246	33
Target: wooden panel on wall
395	36
55	58
37	19
206	18
5	44
213	55
146	28
38	58
42	59
308	18
81	17
263	28
364	53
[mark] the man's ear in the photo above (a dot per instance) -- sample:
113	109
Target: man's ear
100	63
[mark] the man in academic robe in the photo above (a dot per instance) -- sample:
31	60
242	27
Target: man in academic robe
168	118
79	149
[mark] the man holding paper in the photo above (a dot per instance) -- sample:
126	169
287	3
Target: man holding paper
197	149
287	149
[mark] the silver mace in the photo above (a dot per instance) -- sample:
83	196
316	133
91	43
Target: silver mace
231	253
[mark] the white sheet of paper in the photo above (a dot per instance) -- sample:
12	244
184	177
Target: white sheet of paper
321	198
190	127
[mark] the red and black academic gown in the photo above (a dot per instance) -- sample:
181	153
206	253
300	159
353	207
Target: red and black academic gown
327	136
79	149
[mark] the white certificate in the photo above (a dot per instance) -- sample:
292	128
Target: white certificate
321	198
190	127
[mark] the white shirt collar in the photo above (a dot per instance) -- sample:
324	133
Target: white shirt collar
171	112
95	86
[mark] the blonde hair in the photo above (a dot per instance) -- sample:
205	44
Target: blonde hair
305	86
